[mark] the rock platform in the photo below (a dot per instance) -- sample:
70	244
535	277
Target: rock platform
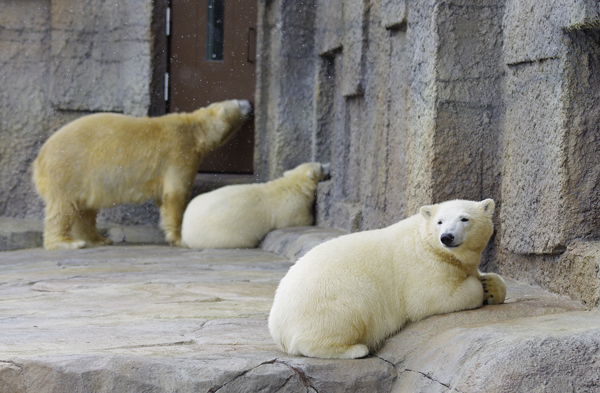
154	318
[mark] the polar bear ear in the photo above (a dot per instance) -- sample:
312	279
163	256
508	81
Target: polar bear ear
427	211
488	206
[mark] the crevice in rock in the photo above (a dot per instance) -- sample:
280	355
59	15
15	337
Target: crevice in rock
171	344
434	380
301	374
395	374
11	365
201	326
387	361
215	389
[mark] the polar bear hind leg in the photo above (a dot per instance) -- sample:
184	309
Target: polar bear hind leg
84	228
494	288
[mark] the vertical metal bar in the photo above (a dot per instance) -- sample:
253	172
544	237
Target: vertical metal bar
251	51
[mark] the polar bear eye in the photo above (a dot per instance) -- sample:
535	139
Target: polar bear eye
440	222
465	220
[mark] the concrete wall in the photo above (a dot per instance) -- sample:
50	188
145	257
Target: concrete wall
62	59
421	102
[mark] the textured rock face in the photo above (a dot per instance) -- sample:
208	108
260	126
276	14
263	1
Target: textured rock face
411	102
421	102
61	60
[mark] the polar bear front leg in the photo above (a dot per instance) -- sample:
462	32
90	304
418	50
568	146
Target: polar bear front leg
171	208
494	288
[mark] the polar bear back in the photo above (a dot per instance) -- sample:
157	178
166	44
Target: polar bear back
240	216
110	153
229	217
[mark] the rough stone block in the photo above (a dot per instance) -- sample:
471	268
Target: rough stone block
533	29
551	166
578	273
294	242
532	204
101	56
330	24
393	13
354	47
16	234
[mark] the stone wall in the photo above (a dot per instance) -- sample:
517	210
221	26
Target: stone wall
421	102
60	60
412	102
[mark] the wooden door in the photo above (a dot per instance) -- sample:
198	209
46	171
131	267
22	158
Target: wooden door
212	58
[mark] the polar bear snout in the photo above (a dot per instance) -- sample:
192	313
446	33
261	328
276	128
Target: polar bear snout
326	169
245	107
447	240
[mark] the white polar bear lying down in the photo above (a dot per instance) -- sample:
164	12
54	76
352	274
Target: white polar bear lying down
345	296
240	216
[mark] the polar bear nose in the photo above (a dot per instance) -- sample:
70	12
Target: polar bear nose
447	239
245	107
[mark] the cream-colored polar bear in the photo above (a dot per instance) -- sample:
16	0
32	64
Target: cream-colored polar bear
108	159
240	216
345	296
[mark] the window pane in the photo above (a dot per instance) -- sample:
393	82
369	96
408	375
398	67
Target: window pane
214	29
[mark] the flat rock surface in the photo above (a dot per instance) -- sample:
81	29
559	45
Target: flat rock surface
132	318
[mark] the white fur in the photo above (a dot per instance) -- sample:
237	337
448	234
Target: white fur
240	216
344	297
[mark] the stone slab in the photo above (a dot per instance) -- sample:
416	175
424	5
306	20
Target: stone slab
17	234
294	242
162	319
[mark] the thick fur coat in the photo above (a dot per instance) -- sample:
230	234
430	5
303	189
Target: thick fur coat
240	216
345	296
108	159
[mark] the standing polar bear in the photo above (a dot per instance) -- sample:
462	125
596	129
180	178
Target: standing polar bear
240	216
108	159
345	296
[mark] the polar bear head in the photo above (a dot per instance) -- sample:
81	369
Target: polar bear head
310	170
220	120
459	225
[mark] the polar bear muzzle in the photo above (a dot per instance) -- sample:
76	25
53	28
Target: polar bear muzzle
447	240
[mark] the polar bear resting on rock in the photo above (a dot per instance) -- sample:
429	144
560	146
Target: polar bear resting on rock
108	159
240	216
345	296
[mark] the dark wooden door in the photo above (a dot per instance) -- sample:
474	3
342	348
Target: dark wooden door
212	58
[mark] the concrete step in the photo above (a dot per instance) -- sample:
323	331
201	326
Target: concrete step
17	234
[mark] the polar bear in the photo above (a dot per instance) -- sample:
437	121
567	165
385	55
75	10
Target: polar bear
108	159
345	296
240	216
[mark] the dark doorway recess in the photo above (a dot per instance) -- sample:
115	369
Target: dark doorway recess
212	58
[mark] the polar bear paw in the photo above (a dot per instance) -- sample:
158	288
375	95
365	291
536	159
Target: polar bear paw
64	244
100	241
494	288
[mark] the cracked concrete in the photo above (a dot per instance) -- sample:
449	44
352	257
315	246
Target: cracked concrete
153	318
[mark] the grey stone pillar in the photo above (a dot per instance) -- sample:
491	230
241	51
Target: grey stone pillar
285	86
551	160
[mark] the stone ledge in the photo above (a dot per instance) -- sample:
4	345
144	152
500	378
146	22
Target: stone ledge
294	242
162	319
17	234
